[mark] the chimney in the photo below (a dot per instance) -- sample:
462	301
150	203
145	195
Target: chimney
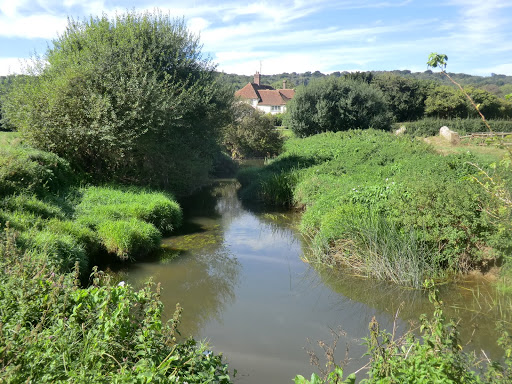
257	78
284	84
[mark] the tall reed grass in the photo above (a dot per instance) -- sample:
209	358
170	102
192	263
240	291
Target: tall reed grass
376	247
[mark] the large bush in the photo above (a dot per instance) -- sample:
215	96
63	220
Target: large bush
130	98
251	134
337	104
405	96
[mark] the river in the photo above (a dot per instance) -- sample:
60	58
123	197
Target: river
239	276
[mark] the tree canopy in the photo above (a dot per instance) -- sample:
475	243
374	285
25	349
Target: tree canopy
130	97
337	104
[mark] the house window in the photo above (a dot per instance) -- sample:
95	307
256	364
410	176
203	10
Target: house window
275	108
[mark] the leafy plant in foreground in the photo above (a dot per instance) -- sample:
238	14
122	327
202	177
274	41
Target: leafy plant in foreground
51	330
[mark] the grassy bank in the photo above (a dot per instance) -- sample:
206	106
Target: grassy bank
388	207
43	202
52	327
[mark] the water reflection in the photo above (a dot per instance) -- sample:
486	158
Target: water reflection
196	268
477	319
237	273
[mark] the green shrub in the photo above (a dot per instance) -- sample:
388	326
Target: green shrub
435	355
427	216
128	238
157	126
251	134
337	104
405	96
430	126
55	331
24	169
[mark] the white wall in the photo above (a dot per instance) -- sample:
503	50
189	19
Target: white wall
268	109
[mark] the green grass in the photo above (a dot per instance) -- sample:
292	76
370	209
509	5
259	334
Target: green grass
430	126
27	170
40	199
129	238
119	203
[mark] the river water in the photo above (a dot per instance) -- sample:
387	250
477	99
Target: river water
239	276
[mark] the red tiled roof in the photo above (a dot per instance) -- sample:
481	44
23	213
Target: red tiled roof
288	93
265	94
248	92
272	97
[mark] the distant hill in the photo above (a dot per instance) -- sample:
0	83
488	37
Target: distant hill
500	85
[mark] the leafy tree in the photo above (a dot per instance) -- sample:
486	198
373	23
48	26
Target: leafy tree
278	84
490	105
406	96
130	98
337	104
445	102
5	82
251	133
366	77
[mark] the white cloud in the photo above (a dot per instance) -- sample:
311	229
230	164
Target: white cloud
500	69
35	26
287	35
197	24
10	65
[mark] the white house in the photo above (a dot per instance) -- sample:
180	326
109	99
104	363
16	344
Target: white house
264	97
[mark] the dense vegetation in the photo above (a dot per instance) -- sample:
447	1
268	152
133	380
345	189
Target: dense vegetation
53	330
435	356
387	206
337	104
112	104
129	99
499	85
251	133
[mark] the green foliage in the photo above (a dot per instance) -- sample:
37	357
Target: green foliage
405	97
24	169
436	60
337	104
387	206
430	126
446	102
55	331
278	84
251	134
127	238
98	204
79	225
433	356
130	98
335	377
436	358
5	83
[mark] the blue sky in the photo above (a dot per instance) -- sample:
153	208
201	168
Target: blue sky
296	35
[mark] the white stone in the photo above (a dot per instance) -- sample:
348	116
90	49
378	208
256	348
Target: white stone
448	134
